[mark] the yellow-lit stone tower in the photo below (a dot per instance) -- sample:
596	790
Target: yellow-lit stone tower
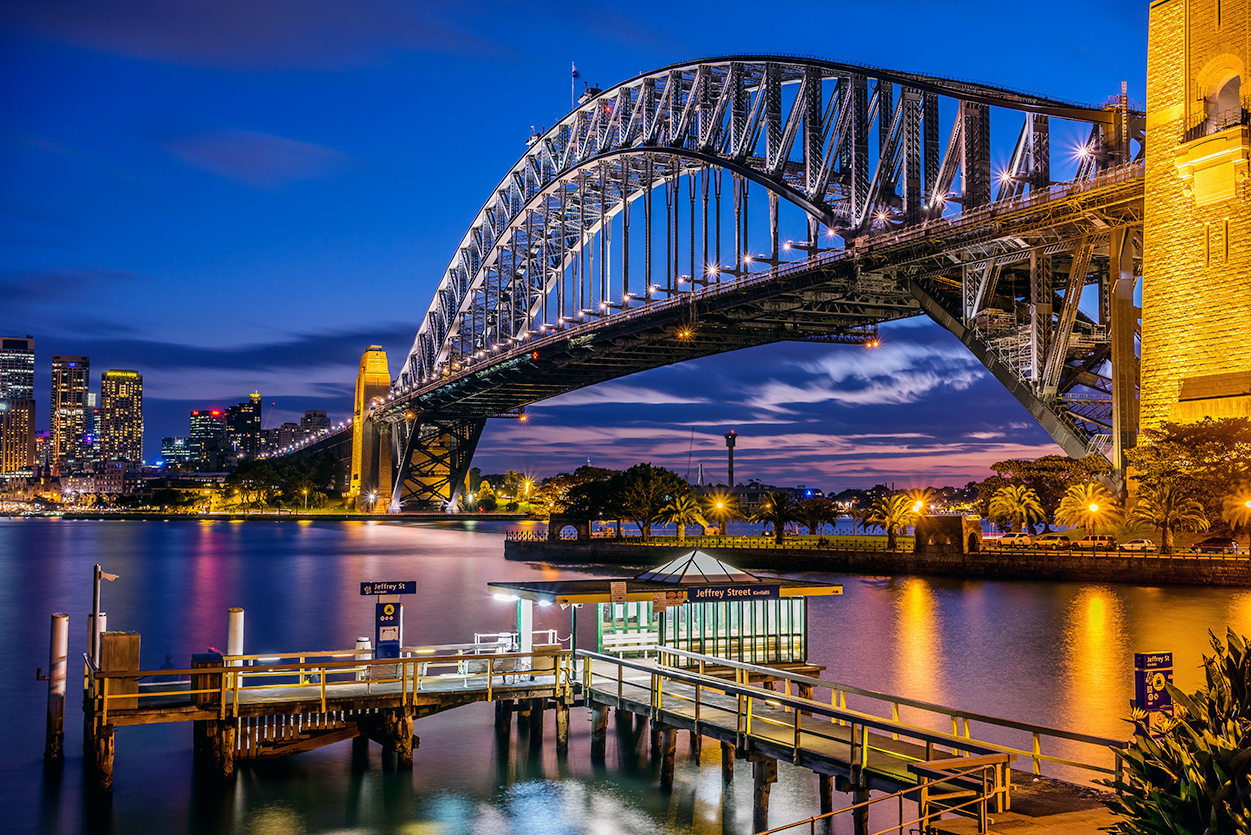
1196	313
371	458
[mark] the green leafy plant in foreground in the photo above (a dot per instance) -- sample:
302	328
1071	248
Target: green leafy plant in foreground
1196	778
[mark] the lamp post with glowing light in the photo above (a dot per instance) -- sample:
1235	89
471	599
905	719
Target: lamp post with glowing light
305	492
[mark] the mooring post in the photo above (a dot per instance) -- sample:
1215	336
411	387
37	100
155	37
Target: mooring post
58	650
727	762
825	789
765	774
668	749
599	731
234	633
562	727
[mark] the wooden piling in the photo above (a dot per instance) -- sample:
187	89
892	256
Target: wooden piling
765	774
102	756
825	791
599	731
562	727
224	748
668	751
697	745
536	718
860	816
503	717
58	650
727	762
398	731
653	752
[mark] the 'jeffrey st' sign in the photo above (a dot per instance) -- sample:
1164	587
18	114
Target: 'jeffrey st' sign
721	594
401	587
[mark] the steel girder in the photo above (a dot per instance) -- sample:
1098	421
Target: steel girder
528	262
434	459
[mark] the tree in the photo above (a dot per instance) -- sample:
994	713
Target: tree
683	510
1050	476
779	508
1017	503
1203	460
724	508
645	490
816	512
1167	508
891	514
1193	778
1237	511
1090	505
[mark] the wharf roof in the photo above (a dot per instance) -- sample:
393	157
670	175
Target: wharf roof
696	569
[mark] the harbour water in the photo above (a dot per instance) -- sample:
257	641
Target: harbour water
1057	654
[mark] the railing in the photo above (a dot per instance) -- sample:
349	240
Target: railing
227	686
1217	122
960	741
973	779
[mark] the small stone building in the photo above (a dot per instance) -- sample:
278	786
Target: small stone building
948	535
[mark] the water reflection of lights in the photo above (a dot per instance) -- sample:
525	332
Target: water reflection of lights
919	641
1096	654
1239	616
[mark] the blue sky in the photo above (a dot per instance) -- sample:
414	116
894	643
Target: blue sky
232	196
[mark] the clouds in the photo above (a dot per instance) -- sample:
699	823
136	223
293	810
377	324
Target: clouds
259	160
244	35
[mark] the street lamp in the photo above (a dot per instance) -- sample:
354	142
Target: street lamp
305	492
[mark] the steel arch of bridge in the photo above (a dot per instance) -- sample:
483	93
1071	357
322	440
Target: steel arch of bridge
696	120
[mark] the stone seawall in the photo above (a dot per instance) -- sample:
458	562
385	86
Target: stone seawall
1005	565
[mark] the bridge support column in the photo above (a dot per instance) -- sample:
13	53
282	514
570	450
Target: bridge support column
562	727
727	762
599	731
764	774
668	752
434	463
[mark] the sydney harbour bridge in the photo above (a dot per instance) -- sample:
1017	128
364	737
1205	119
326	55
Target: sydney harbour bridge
740	201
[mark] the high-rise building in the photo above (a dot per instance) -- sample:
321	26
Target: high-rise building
314	421
207	437
17	404
243	427
178	451
121	416
288	434
70	379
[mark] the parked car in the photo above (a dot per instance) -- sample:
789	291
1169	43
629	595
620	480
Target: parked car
1215	545
1014	540
1053	541
1142	545
1096	542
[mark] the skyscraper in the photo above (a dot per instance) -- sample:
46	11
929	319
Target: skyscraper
243	427
208	429
17	403
121	416
70	379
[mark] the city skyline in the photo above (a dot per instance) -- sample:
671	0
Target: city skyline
308	183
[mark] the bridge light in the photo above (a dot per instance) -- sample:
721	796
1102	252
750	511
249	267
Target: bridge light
747	259
786	245
712	269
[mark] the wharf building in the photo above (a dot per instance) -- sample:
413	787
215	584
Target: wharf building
70	381
1196	297
121	416
17	405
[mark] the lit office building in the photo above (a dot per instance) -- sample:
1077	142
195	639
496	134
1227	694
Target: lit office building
17	404
207	438
314	421
243	427
121	416
178	452
70	379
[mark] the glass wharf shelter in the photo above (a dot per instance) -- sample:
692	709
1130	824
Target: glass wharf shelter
694	602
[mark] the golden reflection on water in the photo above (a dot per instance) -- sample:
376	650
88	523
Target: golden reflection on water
1239	614
919	641
1095	652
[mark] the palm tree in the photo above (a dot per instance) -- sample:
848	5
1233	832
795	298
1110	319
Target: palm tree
1017	503
1237	512
724	508
815	513
892	514
1167	508
1090	505
779	508
683	511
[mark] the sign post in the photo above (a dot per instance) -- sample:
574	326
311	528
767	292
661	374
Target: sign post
388	614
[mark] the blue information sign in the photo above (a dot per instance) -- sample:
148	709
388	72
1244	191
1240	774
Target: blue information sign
400	587
724	594
1152	670
388	618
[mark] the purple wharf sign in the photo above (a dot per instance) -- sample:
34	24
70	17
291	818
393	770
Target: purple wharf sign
722	594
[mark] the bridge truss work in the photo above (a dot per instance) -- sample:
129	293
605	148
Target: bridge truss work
741	201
